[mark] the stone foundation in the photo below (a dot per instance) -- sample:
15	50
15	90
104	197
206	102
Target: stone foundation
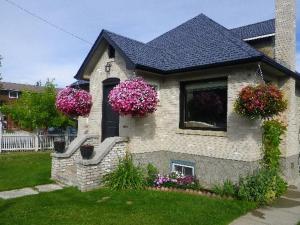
208	170
70	169
290	168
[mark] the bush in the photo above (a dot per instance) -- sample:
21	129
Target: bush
228	189
263	187
152	173
126	176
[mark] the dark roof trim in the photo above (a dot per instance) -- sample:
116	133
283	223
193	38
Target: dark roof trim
263	58
102	35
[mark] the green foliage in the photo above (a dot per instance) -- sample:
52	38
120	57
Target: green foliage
37	110
126	176
263	187
152	173
228	189
272	132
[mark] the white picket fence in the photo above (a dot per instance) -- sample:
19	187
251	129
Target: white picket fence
15	142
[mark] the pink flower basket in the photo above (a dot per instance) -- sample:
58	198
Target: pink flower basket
74	102
133	97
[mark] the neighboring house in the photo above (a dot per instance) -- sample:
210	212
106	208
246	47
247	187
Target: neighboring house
10	92
198	58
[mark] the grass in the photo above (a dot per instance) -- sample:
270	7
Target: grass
27	169
103	206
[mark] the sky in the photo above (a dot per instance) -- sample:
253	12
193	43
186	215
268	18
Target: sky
34	51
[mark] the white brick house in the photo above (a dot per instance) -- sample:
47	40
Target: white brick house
199	56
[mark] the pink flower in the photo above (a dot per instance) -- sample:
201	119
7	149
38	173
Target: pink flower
74	102
133	97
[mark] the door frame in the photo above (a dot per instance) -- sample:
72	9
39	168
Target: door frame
107	82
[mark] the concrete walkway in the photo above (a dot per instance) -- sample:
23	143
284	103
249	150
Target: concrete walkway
285	211
29	191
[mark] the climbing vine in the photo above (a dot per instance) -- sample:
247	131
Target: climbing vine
264	101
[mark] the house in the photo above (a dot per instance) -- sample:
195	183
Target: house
198	58
9	92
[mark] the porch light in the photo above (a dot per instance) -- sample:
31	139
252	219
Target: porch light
107	67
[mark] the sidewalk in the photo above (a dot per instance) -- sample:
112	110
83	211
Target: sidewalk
285	211
29	191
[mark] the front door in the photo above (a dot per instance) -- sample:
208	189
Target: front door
110	119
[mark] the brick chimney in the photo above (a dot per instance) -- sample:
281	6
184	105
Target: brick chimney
285	28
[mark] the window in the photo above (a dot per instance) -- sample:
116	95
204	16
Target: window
111	52
183	169
13	94
203	104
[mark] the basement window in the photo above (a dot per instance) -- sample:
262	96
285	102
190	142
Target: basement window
111	52
185	170
13	94
203	105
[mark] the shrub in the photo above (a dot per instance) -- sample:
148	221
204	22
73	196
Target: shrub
152	173
125	176
227	189
74	102
133	97
264	100
263	187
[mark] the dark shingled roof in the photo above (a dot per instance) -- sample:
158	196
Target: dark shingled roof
256	29
196	44
20	87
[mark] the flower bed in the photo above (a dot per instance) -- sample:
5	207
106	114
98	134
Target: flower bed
74	102
176	180
264	100
133	97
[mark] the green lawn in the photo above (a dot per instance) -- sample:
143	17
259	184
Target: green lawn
71	207
27	169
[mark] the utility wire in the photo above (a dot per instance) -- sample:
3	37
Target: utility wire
46	21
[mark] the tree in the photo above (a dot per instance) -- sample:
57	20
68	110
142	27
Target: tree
36	110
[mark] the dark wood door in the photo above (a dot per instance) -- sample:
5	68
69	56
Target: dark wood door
110	119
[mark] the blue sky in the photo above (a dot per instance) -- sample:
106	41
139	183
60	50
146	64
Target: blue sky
33	51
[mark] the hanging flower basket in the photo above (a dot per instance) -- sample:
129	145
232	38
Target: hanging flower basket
74	102
133	97
264	100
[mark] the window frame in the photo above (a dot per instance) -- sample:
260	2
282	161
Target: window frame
9	94
182	165
111	52
182	100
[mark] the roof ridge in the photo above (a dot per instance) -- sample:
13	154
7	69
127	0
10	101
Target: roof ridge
107	31
232	36
252	24
201	14
20	84
145	44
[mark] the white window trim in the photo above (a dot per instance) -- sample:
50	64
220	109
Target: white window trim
182	165
13	96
